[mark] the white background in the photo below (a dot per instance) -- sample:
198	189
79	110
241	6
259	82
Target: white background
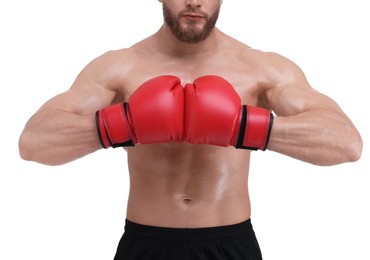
76	211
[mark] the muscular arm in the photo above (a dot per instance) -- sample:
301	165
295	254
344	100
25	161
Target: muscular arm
309	126
64	129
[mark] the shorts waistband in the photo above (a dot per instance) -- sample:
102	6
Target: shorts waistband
208	233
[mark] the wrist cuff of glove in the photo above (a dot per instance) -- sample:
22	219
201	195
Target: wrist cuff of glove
255	128
112	126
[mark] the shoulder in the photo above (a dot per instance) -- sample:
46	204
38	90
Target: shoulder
106	72
113	58
109	68
276	69
270	65
121	59
271	68
272	74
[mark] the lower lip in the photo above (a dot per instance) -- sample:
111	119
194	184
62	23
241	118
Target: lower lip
193	18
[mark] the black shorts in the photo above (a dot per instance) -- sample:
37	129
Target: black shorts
233	242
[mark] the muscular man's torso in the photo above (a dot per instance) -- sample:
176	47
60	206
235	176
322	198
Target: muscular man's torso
185	185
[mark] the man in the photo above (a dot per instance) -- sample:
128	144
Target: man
180	102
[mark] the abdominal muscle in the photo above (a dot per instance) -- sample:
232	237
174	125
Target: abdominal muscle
188	186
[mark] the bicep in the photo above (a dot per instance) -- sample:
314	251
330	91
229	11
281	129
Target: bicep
89	93
296	98
290	92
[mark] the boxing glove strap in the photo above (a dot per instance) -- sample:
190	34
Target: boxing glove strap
102	134
240	139
255	128
112	126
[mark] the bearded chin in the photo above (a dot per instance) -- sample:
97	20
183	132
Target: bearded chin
191	34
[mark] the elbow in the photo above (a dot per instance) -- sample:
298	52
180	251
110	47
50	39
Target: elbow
355	149
30	151
33	150
25	148
347	151
28	154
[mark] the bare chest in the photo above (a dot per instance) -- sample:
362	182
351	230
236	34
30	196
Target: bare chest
243	77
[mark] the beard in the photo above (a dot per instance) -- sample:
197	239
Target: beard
191	33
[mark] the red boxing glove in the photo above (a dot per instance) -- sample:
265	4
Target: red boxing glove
154	114
211	110
214	115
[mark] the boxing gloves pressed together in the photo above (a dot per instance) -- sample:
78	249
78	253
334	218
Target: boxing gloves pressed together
209	111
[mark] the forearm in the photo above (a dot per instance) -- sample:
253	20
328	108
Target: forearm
317	137
53	136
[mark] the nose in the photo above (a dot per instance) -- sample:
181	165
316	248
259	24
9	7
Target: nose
193	3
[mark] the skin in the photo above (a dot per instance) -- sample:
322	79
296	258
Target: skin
185	185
